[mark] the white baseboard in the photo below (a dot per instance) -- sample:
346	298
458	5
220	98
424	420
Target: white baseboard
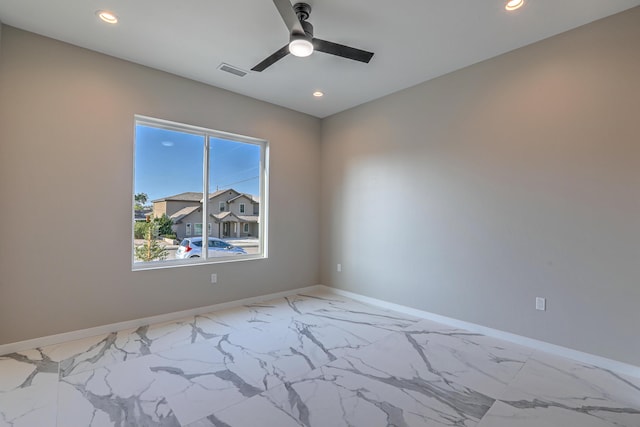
590	359
114	327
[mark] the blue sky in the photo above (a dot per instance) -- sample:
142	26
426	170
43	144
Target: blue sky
168	162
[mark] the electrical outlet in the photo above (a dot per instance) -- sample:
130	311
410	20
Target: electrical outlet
541	304
339	268
214	278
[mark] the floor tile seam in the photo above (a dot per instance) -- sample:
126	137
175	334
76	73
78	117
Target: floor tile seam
630	404
518	373
57	420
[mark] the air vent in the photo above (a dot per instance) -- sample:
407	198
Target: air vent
231	69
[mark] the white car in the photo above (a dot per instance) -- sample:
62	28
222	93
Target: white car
191	247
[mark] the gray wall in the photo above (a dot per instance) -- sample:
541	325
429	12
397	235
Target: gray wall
526	170
66	144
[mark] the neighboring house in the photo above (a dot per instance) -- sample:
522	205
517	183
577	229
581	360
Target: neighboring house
231	214
141	215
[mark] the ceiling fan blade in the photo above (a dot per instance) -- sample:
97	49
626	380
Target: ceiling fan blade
289	16
342	50
276	56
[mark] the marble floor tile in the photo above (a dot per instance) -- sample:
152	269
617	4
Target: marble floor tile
32	406
247	362
482	363
426	375
505	415
25	369
108	349
257	411
202	378
124	394
344	394
313	360
368	323
553	391
261	314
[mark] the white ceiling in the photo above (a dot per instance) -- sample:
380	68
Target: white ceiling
413	40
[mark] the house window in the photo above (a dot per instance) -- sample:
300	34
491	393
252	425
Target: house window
245	228
175	165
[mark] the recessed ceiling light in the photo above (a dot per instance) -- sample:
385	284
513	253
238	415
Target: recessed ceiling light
514	4
318	94
107	17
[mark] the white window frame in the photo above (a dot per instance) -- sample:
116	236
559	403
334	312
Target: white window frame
263	193
245	227
242	208
188	229
222	207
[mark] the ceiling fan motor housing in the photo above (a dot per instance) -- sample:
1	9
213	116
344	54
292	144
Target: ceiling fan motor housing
303	10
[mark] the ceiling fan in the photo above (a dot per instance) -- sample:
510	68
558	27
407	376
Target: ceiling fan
301	40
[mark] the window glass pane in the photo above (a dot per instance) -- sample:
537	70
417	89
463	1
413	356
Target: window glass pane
234	181
167	185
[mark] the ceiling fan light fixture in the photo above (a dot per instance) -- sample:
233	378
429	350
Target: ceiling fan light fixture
300	46
514	4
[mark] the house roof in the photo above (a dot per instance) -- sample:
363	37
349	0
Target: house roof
219	192
249	218
230	216
177	216
222	216
251	197
191	196
182	197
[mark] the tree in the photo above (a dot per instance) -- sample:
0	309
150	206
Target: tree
165	225
140	200
151	249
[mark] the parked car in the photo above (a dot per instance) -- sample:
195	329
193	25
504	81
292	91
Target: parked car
191	247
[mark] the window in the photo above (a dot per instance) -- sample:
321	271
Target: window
174	166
